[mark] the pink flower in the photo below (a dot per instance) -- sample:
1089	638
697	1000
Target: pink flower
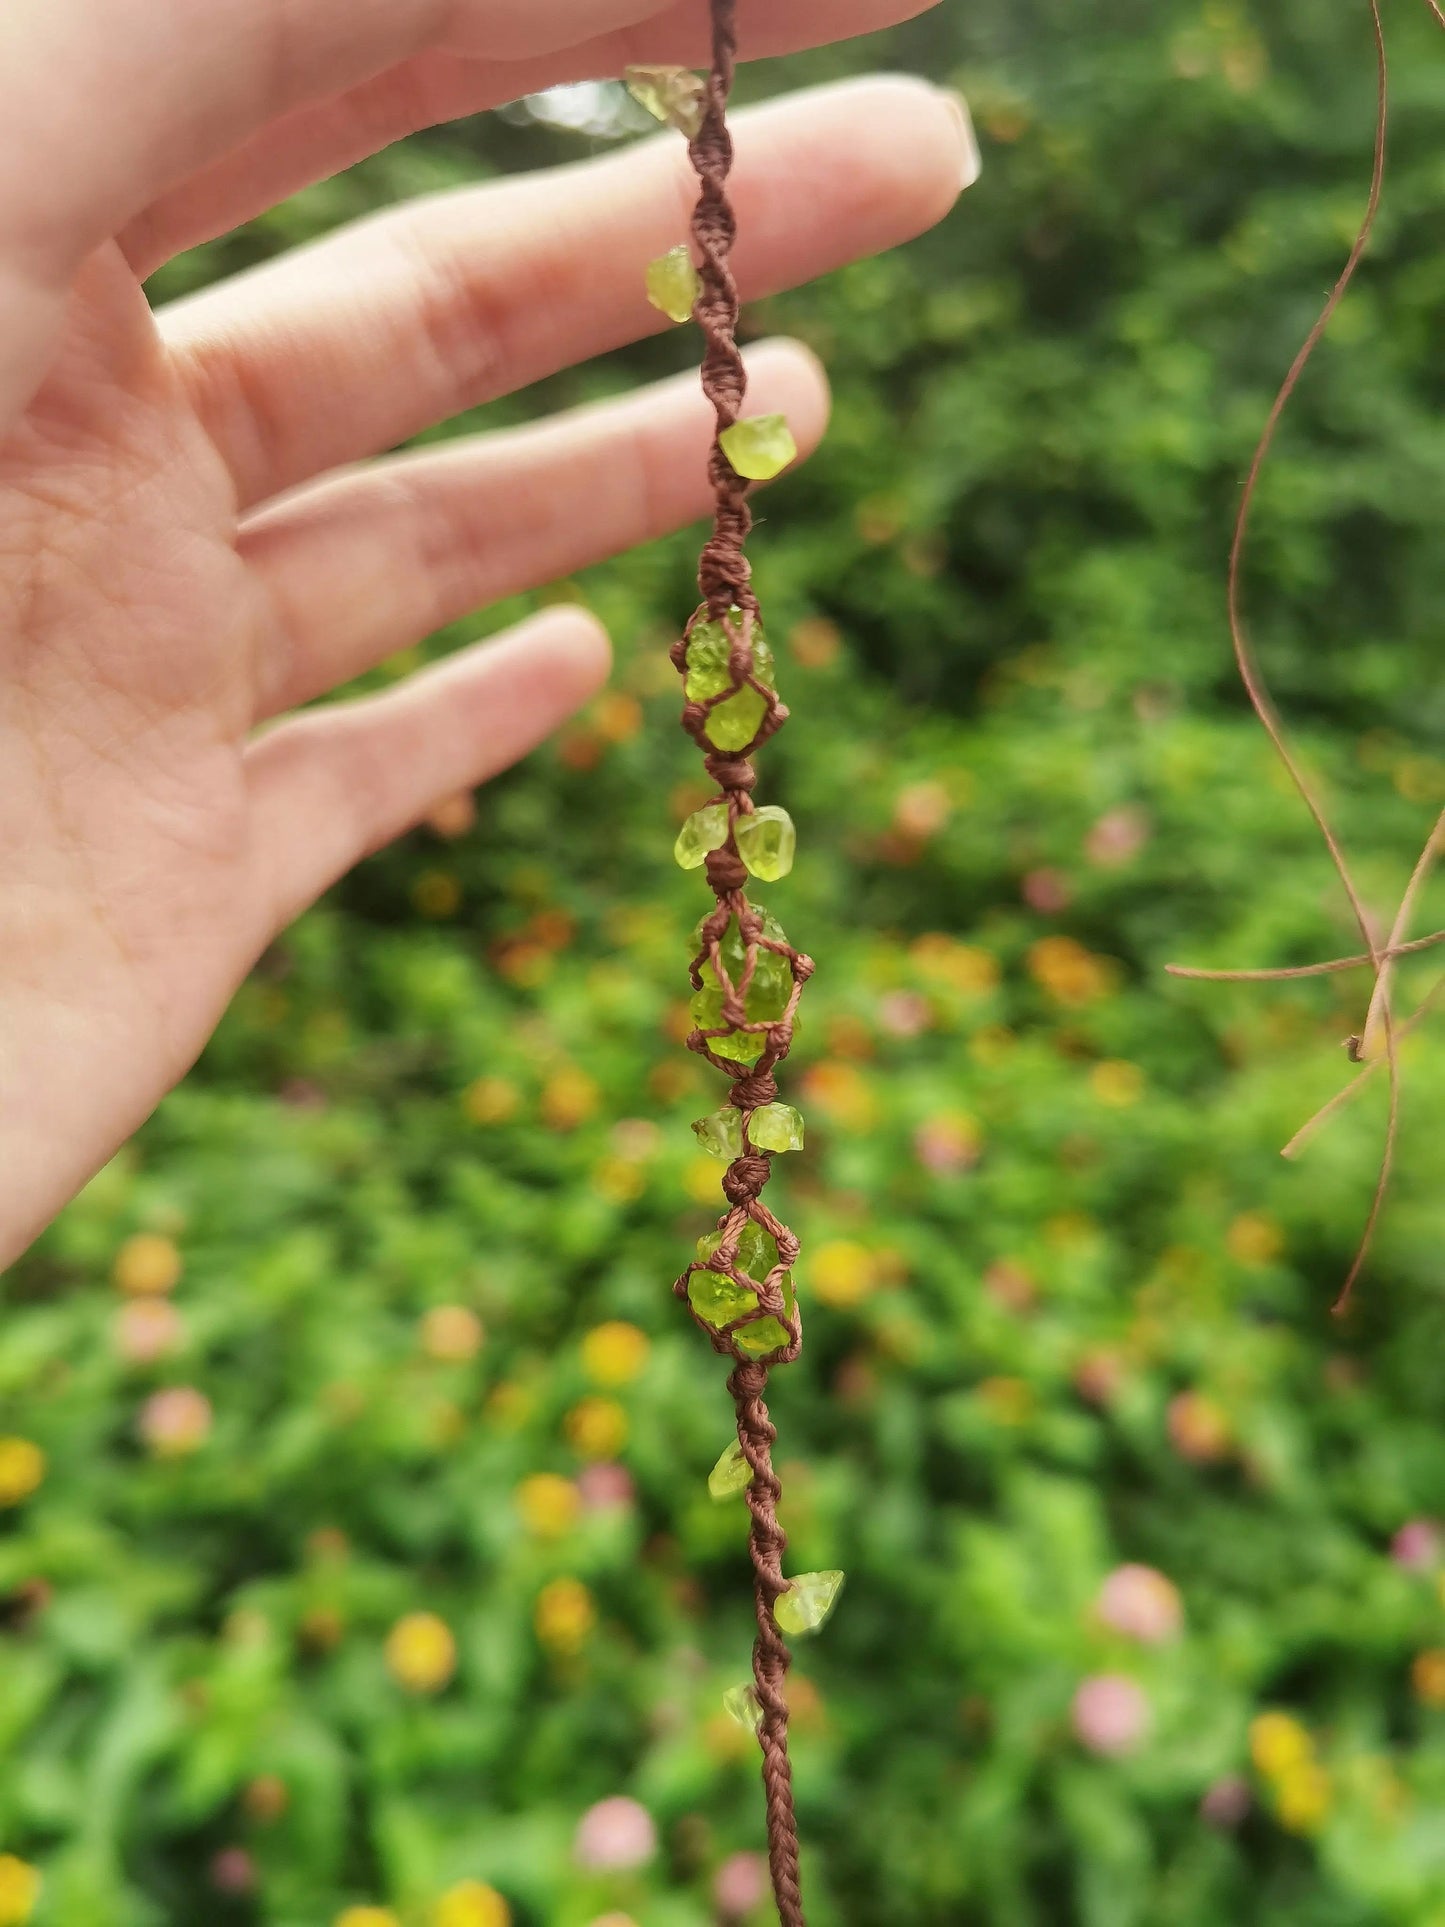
1226	1803
614	1835
904	1013
1142	1604
741	1885
176	1421
146	1329
1117	837
1416	1546
1111	1715
605	1486
1099	1376
233	1871
1047	891
947	1144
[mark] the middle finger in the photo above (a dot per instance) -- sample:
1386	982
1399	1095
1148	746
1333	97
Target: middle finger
360	341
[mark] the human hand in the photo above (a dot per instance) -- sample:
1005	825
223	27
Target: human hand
189	546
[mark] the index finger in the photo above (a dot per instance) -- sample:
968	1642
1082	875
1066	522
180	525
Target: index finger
107	105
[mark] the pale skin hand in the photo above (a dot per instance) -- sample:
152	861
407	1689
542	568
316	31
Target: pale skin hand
189	544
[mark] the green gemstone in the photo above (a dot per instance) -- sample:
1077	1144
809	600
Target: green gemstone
733	724
673	283
776	1127
703	831
741	1703
768	993
731	1475
808	1604
721	1135
674	95
767	842
759	446
718	1299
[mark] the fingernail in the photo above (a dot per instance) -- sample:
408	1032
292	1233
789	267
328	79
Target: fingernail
967	140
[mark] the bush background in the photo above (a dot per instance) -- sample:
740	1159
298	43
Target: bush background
1066	1306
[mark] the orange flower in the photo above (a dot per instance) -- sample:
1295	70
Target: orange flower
569	1098
147	1264
451	1334
1070	974
1427	1675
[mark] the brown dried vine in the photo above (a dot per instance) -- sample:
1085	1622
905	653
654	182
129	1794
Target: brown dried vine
725	579
1379	958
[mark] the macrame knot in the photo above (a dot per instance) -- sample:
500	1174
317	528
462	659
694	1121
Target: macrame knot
731	772
752	1091
677	654
743	1180
694	718
726	871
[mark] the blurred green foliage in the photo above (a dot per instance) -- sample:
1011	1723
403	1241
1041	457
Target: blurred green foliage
1066	1308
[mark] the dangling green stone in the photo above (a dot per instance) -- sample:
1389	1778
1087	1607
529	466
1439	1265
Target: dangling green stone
759	446
768	993
718	1299
721	1135
733	724
741	1703
703	831
808	1604
674	95
731	1475
776	1127
767	842
673	283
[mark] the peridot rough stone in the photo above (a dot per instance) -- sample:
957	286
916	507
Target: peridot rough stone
718	1299
767	842
808	1603
674	95
741	1703
673	283
731	1475
704	830
733	723
766	1000
721	1135
776	1127
759	446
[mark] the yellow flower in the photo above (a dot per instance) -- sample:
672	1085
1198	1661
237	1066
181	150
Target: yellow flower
569	1098
1303	1797
617	716
1008	1401
841	1273
1117	1083
1254	1239
700	1180
619	1180
597	1428
22	1467
436	893
1427	1675
961	966
147	1263
550	1506
421	1653
615	1353
451	1333
19	1891
1278	1744
473	1904
565	1615
367	1917
491	1100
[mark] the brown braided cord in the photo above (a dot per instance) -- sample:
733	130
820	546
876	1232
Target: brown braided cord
725	580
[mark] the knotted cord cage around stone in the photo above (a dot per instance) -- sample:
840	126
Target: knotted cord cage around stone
729	603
